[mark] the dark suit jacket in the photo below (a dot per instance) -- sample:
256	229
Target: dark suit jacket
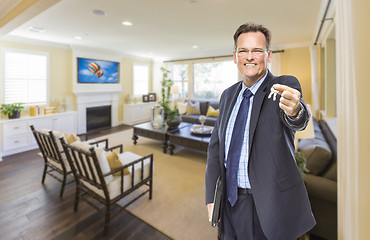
278	190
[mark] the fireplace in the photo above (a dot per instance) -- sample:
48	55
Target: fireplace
98	117
86	100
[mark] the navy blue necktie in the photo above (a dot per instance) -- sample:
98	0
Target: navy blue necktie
235	148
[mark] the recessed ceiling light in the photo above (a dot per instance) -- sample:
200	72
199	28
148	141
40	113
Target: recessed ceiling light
127	23
36	29
195	46
98	12
78	37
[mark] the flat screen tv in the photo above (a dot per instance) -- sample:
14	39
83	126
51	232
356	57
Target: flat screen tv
97	71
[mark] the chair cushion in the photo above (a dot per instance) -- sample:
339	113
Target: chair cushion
212	112
57	135
59	166
114	187
192	108
102	159
114	163
182	107
99	145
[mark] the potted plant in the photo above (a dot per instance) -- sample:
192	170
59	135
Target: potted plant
173	117
13	110
301	162
166	85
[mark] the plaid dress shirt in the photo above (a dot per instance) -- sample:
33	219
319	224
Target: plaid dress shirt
243	179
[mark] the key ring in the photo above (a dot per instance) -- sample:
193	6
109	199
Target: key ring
273	93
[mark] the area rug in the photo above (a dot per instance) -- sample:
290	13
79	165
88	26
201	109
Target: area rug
177	207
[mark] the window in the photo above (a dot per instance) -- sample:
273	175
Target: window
180	79
211	78
141	79
25	77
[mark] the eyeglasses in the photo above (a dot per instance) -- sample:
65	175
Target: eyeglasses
256	52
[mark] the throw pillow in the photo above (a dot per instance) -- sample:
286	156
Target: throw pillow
70	138
212	112
192	108
114	163
182	107
317	153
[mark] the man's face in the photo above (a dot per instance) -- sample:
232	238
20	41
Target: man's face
251	56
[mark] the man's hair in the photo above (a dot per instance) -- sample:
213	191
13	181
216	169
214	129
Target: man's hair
252	27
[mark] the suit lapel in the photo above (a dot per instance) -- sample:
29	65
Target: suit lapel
257	104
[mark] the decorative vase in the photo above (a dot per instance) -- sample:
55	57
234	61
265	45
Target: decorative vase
202	119
157	117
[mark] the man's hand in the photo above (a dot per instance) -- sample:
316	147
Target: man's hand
289	101
210	210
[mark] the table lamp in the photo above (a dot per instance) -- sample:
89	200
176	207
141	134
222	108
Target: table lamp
175	90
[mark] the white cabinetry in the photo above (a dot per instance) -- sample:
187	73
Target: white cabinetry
16	135
137	113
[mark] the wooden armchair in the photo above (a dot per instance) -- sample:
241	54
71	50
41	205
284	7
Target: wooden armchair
55	161
98	185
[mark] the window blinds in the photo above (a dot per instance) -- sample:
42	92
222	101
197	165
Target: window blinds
25	77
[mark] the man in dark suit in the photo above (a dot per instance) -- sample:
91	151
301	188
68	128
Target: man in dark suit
264	196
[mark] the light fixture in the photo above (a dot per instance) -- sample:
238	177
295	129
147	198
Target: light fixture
127	23
175	89
195	46
98	12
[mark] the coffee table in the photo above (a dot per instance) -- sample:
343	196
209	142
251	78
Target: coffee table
184	137
146	130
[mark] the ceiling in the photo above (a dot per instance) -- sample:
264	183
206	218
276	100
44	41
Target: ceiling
163	29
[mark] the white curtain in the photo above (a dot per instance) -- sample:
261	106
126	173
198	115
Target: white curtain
314	80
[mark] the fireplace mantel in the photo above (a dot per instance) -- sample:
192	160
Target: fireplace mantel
86	99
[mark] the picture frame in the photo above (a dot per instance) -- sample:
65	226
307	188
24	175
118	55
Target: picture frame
145	98
152	97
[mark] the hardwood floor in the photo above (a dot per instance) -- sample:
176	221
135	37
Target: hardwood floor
31	210
106	131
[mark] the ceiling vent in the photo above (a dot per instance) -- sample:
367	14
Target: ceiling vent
98	12
36	29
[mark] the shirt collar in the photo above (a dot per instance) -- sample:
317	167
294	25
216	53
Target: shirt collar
255	86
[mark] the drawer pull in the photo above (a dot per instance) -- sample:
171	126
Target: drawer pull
16	141
16	127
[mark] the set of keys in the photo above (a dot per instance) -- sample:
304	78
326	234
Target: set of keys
273	93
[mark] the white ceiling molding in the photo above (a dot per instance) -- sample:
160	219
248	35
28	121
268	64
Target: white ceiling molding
29	13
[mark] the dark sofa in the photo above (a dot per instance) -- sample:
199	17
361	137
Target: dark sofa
203	107
321	182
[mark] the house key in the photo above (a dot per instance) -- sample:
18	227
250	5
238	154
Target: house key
273	93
